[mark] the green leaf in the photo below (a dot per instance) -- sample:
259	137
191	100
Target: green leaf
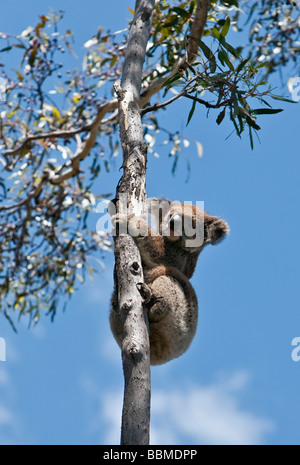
242	65
172	80
192	6
221	116
205	49
32	56
215	33
19	46
219	76
251	138
55	112
253	9
235	105
225	58
209	55
174	166
81	278
282	99
20	76
171	23
231	49
232	117
6	49
36	317
226	27
181	12
265	102
265	111
250	121
243	112
191	112
113	61
263	64
177	82
10	321
221	56
212	64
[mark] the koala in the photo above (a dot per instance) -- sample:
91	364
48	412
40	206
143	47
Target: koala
169	248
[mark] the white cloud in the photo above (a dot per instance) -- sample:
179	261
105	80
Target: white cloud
11	429
6	417
4	379
8	424
112	411
103	412
210	414
207	415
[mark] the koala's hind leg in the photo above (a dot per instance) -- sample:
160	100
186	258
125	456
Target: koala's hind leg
172	318
151	300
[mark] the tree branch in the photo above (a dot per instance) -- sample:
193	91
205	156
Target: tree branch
158	106
65	133
71	167
128	266
190	55
205	103
84	150
197	30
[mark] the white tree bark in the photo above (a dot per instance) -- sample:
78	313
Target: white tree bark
128	267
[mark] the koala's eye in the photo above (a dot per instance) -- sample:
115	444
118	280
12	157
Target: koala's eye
176	223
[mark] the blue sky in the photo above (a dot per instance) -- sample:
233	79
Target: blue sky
62	382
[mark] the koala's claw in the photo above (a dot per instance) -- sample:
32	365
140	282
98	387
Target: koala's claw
144	290
119	218
146	294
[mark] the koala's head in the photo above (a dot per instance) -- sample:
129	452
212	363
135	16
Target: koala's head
191	227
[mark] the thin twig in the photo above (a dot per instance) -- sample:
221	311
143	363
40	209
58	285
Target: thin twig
157	106
189	57
65	133
205	103
72	167
84	149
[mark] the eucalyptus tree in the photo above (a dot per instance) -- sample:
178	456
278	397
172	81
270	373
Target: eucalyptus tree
59	131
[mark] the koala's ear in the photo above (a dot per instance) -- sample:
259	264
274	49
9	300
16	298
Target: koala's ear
215	229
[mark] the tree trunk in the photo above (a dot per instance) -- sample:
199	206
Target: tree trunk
128	267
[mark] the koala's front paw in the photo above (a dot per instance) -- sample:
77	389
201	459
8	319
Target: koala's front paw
119	218
130	224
